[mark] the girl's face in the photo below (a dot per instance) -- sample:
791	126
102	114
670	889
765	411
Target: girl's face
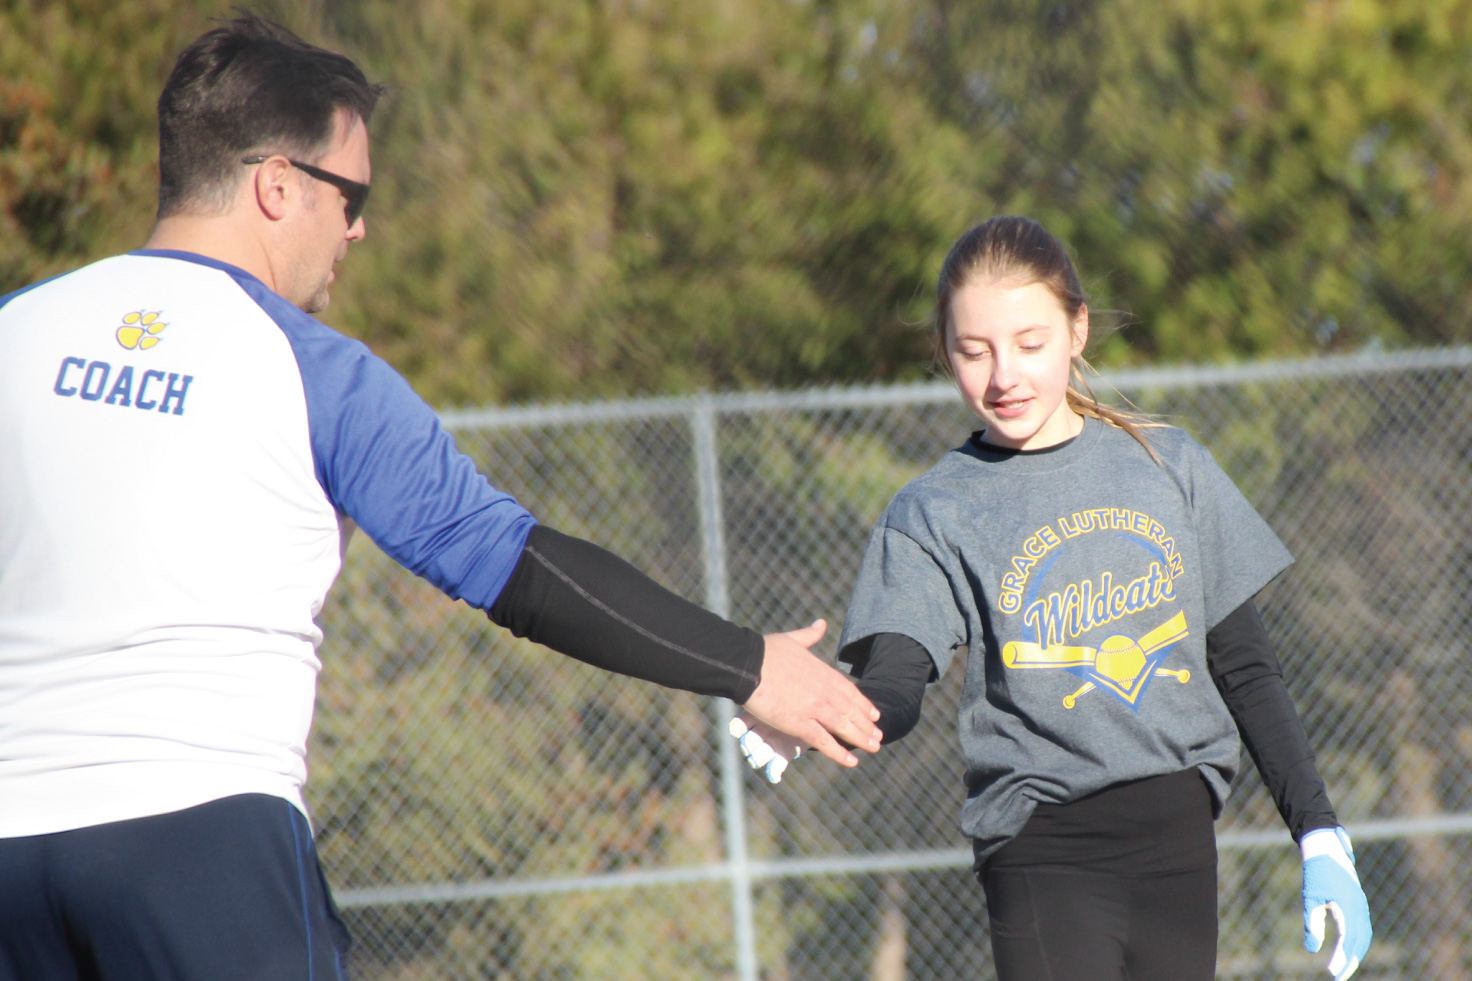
1010	348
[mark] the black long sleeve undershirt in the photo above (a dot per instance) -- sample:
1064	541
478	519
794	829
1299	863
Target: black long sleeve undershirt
1246	672
893	671
586	602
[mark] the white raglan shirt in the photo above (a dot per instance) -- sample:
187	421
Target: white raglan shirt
178	445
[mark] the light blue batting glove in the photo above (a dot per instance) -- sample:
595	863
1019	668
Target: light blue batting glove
760	755
1330	884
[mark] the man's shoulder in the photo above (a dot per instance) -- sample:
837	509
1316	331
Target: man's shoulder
188	286
301	328
38	290
134	275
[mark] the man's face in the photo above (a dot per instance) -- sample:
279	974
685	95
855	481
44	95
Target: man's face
322	227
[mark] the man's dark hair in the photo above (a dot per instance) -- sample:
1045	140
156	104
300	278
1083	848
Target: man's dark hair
248	86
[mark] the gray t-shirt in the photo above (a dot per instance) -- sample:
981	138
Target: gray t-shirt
1082	582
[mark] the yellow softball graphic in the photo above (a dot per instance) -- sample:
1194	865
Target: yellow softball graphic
1120	659
140	330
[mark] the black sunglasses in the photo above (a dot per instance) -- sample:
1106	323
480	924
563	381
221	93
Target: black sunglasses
354	193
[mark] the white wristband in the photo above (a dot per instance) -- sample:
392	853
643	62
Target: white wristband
1328	843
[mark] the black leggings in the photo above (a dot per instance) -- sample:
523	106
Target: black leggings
1120	886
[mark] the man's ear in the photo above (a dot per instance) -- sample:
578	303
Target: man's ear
274	187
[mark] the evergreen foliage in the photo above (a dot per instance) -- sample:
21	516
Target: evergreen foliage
578	200
595	198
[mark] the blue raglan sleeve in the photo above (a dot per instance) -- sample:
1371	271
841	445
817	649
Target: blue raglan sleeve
385	461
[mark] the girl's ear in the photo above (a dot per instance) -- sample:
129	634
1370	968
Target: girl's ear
1080	331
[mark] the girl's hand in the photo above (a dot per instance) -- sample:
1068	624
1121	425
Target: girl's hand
767	750
1331	885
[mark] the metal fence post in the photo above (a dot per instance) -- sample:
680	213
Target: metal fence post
717	599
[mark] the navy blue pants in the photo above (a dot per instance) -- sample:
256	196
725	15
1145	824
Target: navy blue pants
227	891
1120	886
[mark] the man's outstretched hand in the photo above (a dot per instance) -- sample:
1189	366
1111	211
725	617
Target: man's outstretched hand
805	698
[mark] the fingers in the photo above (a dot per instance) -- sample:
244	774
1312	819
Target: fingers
785	745
814	737
1313	929
805	698
760	755
858	730
824	743
1341	964
1338	962
849	715
861	708
851	702
811	634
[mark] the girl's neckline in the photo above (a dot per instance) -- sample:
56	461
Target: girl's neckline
1042	460
992	448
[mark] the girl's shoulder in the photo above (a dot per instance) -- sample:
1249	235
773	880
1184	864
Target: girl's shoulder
1179	449
1178	457
950	482
948	475
1174	448
1167	437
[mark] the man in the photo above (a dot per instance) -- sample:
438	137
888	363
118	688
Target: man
183	449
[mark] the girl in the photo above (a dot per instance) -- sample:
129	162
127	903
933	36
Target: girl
1098	569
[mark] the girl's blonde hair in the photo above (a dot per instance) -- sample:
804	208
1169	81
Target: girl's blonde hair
1010	248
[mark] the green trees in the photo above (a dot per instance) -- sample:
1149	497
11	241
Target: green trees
1247	178
78	144
600	197
597	198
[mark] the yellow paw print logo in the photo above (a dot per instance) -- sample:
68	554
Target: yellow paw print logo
140	330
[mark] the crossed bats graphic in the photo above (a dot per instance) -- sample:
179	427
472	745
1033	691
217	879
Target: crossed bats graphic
1118	663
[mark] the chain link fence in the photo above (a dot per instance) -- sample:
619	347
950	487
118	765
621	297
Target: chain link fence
487	809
